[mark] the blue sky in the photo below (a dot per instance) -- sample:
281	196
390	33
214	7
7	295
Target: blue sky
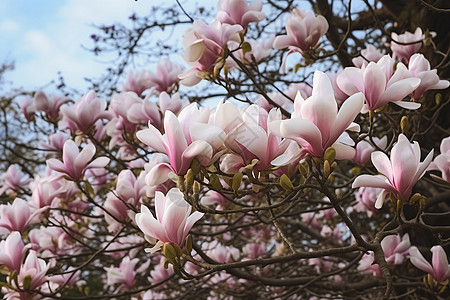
43	37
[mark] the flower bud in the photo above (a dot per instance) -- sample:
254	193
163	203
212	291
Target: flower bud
438	98
169	251
303	168
286	183
404	124
326	169
330	154
237	180
215	182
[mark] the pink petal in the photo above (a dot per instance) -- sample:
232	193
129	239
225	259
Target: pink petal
440	263
419	261
398	91
383	164
346	115
303	132
153	138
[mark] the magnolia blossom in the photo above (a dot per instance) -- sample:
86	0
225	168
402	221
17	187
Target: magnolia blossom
26	104
12	251
413	41
49	104
304	30
32	273
439	269
17	216
366	197
239	12
75	162
204	46
379	83
137	81
371	53
160	273
173	219
419	67
85	112
13	179
442	161
399	173
364	149
253	143
125	274
395	248
316	123
166	76
186	137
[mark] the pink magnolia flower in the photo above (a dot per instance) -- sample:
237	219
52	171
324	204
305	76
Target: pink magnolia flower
171	102
204	45
160	273
137	81
27	105
125	274
13	180
371	53
239	12
49	241
304	30
12	251
166	76
364	149
419	67
379	83
366	197
75	162
34	268
440	269
115	210
399	173
130	188
404	52
221	253
55	141
164	80
395	248
186	137
173	219
316	123
253	143
49	105
17	216
84	113
442	161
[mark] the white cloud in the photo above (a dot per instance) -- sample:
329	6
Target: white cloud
9	26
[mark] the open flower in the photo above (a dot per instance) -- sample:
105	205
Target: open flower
185	138
442	161
204	45
440	269
12	251
419	67
379	83
173	219
75	162
304	30
316	123
413	43
85	112
239	12
399	173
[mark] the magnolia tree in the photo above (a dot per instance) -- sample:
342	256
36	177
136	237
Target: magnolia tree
303	154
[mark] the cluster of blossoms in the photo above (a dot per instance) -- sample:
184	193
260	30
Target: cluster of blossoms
147	167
